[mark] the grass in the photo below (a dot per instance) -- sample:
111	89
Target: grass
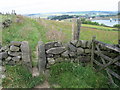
99	27
71	75
20	77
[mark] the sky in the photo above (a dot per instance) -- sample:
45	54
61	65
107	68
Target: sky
45	6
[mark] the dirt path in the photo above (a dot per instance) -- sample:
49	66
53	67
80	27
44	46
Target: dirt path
44	85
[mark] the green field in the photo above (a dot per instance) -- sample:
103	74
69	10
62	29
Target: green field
32	30
104	34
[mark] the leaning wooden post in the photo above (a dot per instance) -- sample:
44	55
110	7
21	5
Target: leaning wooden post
92	50
76	29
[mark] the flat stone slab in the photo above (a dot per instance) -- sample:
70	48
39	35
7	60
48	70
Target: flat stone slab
52	45
14	48
57	50
14	53
41	57
26	56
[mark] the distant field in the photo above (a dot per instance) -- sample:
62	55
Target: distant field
105	34
99	27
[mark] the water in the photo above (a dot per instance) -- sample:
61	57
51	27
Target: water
106	22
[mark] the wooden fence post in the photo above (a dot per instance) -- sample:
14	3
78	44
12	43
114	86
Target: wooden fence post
76	29
92	50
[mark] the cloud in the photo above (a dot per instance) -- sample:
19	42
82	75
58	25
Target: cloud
38	6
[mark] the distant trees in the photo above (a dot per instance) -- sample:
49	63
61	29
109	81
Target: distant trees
117	26
84	21
62	17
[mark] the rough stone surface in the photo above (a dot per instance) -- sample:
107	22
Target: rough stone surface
49	45
3	55
74	42
51	61
15	43
57	44
5	48
11	63
89	44
83	43
65	54
72	48
84	59
14	53
79	43
14	48
52	45
72	54
41	57
26	57
49	55
16	58
60	59
87	51
57	50
80	51
8	59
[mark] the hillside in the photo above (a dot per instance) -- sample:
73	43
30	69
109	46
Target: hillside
34	30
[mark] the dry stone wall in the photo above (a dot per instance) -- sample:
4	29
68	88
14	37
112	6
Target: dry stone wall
16	53
55	52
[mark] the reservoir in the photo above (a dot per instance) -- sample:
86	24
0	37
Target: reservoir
106	22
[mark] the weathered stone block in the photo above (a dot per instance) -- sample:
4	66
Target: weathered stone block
3	55
14	48
51	61
57	50
49	45
87	51
15	43
65	54
74	42
60	59
49	55
72	48
52	45
89	44
11	63
80	51
17	59
5	48
14	53
72	54
41	57
79	43
84	43
8	59
57	44
26	56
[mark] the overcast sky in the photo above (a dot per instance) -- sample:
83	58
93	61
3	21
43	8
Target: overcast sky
42	6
